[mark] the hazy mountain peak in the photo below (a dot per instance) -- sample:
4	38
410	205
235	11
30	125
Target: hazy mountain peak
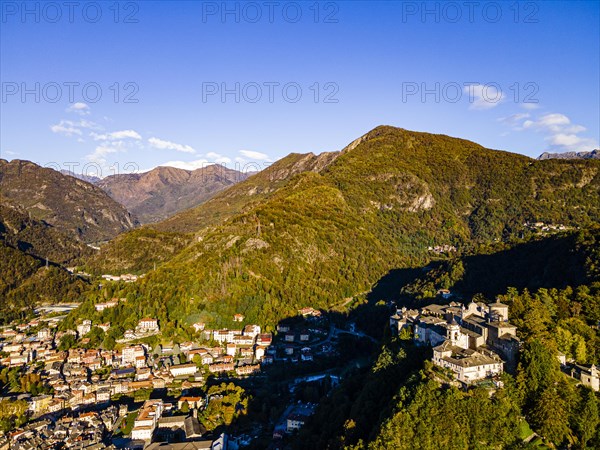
163	191
594	154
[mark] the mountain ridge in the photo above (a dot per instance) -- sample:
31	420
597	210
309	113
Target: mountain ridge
73	206
314	230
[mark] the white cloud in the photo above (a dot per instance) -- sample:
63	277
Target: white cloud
66	128
124	134
530	106
188	165
167	145
571	142
218	158
70	128
575	129
560	133
552	122
514	119
256	156
79	108
484	96
98	156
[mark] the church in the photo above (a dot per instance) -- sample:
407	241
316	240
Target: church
474	341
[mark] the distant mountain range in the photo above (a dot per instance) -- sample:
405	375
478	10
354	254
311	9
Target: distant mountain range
89	178
161	192
594	154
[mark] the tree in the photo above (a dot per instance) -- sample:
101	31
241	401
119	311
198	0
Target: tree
550	416
67	342
586	418
185	407
538	369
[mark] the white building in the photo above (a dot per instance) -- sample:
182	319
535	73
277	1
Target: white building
251	330
104	305
84	328
130	354
148	324
146	420
183	369
468	364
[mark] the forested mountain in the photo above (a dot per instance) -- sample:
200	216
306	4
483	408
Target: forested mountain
401	400
316	230
161	192
72	206
31	257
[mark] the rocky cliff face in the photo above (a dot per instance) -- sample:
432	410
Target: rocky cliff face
164	191
79	209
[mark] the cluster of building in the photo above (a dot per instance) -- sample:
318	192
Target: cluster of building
440	249
85	382
127	278
89	430
545	227
473	341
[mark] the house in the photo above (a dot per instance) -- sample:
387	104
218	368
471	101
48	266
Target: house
44	333
130	354
445	293
589	376
264	339
129	334
105	305
304	336
259	352
247	369
193	402
84	328
297	416
243	340
221	367
231	349
198	326
306	354
225	335
140	361
309	312
148	324
238	317
251	330
183	369
246	352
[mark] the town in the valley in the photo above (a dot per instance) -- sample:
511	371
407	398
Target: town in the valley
139	396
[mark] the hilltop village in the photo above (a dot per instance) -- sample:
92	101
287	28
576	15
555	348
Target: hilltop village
475	343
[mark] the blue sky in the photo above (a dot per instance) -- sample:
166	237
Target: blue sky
258	81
